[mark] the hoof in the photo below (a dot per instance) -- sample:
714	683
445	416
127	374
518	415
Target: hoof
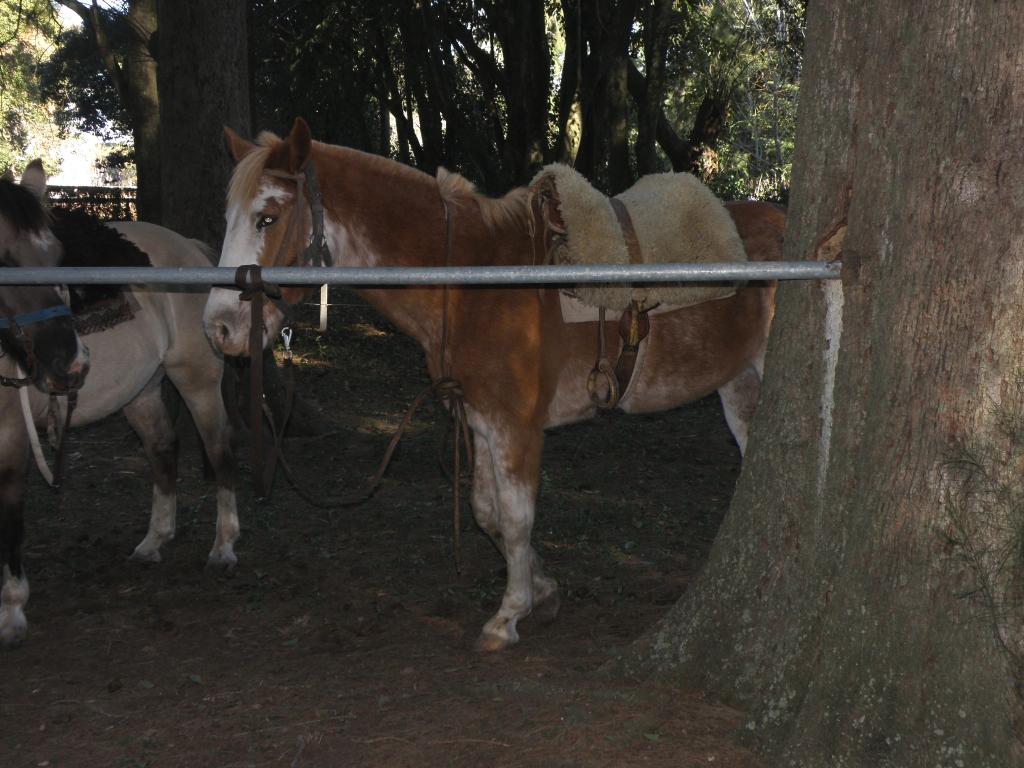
222	560
145	556
497	635
11	644
13	628
488	642
546	611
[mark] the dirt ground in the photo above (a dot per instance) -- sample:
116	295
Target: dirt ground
345	639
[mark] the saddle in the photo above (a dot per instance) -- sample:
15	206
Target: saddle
88	242
665	217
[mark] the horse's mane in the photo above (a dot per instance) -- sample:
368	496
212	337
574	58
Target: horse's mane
22	208
510	210
245	181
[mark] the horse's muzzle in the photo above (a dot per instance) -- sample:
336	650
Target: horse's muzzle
226	321
58	379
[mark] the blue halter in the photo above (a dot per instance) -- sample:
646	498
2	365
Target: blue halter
39	316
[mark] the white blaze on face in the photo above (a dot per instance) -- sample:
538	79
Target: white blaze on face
225	318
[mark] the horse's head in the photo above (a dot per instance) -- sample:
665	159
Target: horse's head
270	223
36	328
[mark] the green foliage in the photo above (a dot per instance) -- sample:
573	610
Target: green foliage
75	80
457	82
28	29
749	53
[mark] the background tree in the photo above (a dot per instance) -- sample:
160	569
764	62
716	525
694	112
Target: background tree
27	32
120	45
203	82
864	596
617	87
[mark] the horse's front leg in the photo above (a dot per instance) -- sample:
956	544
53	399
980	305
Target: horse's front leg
504	499
200	386
14	589
148	416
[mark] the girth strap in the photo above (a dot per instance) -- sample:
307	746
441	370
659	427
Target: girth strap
634	326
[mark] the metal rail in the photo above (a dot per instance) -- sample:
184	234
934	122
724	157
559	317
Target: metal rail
393	276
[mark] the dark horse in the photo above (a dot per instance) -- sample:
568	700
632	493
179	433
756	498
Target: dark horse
39	349
159	336
521	368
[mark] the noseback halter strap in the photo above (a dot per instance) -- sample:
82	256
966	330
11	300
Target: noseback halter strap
38	316
14	323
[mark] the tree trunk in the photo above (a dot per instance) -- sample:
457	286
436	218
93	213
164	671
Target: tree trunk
203	83
135	77
864	597
657	28
143	103
569	108
527	83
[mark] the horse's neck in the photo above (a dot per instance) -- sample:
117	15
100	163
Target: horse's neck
399	222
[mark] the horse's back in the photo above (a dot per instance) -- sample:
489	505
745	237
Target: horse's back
165	247
760	225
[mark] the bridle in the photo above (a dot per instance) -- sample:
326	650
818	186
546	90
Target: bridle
249	280
316	253
15	323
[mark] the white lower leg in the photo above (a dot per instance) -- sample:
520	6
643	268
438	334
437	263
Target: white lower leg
161	527
223	552
500	631
543	586
13	597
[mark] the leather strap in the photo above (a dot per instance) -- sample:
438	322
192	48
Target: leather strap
628	233
634	326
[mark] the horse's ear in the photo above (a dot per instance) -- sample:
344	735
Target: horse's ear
34	179
239	147
300	143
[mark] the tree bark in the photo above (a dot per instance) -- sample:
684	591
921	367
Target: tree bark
657	27
569	108
203	79
864	596
527	83
135	78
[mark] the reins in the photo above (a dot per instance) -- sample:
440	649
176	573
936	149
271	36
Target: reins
249	281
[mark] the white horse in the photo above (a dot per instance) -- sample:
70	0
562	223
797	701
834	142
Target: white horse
163	337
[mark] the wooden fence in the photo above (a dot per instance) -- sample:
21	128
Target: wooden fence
106	203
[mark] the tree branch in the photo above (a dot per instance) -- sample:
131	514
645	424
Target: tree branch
91	16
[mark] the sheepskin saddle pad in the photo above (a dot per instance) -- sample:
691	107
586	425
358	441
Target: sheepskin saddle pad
675	218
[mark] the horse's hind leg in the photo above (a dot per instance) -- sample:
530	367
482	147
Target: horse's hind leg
503	505
200	387
148	416
739	401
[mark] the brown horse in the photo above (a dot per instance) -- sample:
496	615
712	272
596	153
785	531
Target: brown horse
520	367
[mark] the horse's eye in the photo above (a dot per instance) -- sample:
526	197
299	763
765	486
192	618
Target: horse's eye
265	221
